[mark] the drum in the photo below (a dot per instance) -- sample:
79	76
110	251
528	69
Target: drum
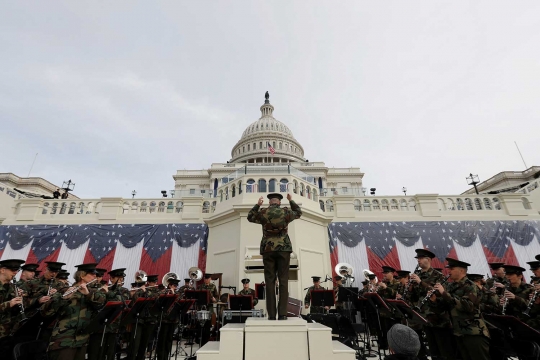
224	298
203	315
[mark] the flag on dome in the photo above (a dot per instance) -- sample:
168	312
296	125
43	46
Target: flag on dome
270	148
370	245
154	248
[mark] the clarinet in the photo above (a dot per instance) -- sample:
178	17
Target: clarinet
16	289
503	312
406	290
531	303
428	295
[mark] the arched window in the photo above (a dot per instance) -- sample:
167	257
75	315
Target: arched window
260	143
468	204
280	146
45	208
272	185
144	204
526	204
283	185
367	205
239	187
152	207
63	208
243	149
403	205
161	206
394	204
262	185
357	206
248	147
72	208
460	205
487	204
295	187
412	205
250	186
213	208
315	195
179	206
274	144
233	190
308	192
302	189
450	205
134	206
206	207
321	204
376	205
496	204
170	207
254	146
441	204
329	205
54	208
220	195
385	206
477	204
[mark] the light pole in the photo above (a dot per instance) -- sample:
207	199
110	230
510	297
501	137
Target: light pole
133	193
67	186
473	180
363	190
404	189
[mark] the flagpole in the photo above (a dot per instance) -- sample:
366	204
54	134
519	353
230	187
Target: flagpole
267	144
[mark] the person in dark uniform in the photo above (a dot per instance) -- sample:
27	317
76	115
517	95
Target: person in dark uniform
460	299
214	296
275	249
28	273
307	300
63	277
168	324
247	291
338	283
535	268
499	275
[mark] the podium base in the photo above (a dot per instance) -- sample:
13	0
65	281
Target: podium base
262	339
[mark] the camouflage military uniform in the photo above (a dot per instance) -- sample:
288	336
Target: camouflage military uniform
74	315
516	306
250	292
307	301
461	300
438	328
489	302
212	289
491	281
391	289
36	288
275	248
9	317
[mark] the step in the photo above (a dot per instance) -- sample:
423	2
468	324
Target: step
210	351
231	337
319	338
341	351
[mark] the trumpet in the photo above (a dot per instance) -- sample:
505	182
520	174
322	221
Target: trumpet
16	289
75	289
531	302
429	293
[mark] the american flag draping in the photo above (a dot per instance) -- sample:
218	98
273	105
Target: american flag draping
369	245
154	248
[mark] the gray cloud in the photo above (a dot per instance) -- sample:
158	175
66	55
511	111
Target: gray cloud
119	96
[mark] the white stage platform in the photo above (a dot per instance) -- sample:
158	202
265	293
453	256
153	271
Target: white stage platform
262	339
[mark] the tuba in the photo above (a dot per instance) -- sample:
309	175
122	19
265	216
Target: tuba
141	276
367	274
345	270
167	276
195	274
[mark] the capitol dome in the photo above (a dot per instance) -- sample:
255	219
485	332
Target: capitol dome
252	146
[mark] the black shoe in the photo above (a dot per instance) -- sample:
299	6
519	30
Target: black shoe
282	317
272	318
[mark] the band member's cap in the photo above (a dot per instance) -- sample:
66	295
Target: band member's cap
316	278
117	272
187	280
475	277
173	281
100	272
12	264
371	276
275	196
388	269
511	269
533	264
87	267
337	278
152	278
452	263
54	266
62	275
134	284
30	267
420	253
403	273
365	282
537	257
496	265
207	276
245	281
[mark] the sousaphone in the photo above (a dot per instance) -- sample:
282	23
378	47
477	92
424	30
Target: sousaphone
345	271
167	276
195	274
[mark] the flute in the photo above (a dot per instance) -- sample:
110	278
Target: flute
69	292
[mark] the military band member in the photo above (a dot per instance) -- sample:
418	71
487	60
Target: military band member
535	268
516	294
338	283
99	278
403	291
8	299
389	286
365	287
248	291
307	300
438	329
63	277
212	289
150	320
69	338
183	288
28	273
498	275
489	301
460	299
276	249
168	324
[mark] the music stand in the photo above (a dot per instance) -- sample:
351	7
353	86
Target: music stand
162	303
241	302
201	297
133	314
377	302
344	296
179	309
405	311
260	291
106	316
34	325
514	327
322	298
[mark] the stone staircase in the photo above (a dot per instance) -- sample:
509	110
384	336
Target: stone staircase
262	339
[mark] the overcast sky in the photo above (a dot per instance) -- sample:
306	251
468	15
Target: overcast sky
119	95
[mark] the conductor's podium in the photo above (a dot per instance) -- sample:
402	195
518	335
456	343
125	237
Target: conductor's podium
262	339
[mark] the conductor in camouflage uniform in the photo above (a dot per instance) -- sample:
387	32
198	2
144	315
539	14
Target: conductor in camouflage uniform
247	291
276	249
461	300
